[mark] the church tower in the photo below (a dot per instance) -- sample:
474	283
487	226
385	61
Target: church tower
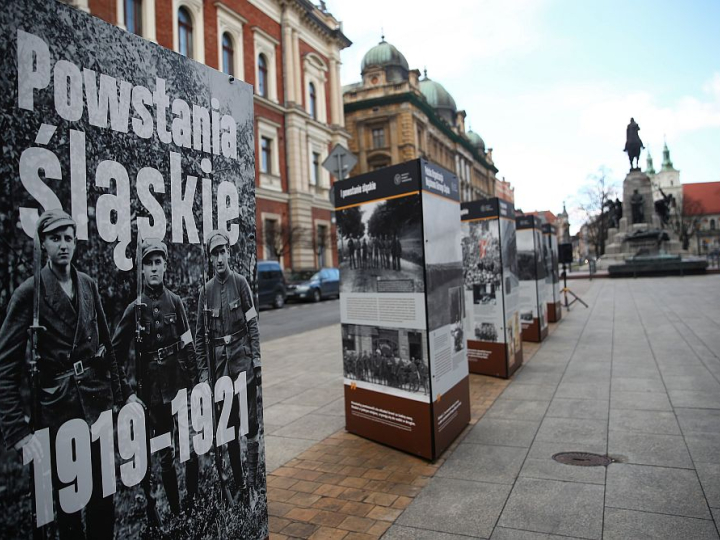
667	179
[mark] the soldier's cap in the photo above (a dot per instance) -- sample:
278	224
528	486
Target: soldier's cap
217	238
54	219
153	245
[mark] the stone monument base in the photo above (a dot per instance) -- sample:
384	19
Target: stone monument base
672	265
631	242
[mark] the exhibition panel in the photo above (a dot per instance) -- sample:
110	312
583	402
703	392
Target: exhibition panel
401	307
128	223
552	273
491	287
531	272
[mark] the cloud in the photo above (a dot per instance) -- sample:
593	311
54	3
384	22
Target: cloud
446	41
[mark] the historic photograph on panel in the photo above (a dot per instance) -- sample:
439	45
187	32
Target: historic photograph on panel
380	247
444	264
513	330
527	255
389	360
130	399
508	236
481	261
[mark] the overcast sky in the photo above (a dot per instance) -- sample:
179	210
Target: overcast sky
550	85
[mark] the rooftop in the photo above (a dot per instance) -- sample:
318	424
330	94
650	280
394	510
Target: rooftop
707	194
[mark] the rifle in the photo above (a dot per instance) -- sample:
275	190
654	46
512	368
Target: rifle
217	451
34	331
153	515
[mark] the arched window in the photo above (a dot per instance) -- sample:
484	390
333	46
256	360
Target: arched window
228	54
262	83
313	101
185	33
133	16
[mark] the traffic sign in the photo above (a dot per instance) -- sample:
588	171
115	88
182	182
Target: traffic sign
340	162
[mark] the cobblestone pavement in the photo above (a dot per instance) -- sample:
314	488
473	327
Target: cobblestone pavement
635	376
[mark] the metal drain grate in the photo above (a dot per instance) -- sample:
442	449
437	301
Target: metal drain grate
583	459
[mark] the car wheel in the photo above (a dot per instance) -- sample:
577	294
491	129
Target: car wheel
279	301
316	297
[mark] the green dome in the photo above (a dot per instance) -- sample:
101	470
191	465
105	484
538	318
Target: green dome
384	55
476	140
436	95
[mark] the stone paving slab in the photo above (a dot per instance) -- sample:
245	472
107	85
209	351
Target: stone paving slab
548	506
625	524
481	463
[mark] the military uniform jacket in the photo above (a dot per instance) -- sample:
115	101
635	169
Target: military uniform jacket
75	331
231	310
165	324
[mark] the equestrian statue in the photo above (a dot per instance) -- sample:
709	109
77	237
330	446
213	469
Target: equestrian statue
633	144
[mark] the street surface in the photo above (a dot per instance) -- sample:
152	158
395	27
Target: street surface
297	318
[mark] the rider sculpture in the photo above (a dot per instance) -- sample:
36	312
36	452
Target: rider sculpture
633	144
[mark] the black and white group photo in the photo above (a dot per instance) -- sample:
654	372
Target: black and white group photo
380	246
395	358
482	265
486	331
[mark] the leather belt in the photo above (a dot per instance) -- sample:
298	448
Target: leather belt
230	338
165	352
79	367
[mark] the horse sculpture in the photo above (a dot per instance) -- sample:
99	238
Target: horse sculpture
633	144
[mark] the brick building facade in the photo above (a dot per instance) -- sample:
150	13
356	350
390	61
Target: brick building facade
289	50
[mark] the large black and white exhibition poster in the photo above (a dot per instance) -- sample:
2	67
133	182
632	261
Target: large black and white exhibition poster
492	321
130	400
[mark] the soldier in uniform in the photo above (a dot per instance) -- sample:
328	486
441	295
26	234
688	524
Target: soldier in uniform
78	374
236	342
168	362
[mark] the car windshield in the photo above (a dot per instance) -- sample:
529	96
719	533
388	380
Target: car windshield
303	275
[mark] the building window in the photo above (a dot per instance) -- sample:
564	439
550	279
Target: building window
313	101
322	242
378	138
262	84
228	54
133	16
712	224
265	155
270	228
315	169
185	33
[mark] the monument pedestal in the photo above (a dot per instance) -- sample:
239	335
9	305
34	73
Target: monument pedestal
640	245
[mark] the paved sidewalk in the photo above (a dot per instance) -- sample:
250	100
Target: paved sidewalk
636	376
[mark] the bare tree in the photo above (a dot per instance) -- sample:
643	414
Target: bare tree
594	196
281	238
320	244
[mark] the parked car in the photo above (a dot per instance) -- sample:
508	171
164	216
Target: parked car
314	285
272	288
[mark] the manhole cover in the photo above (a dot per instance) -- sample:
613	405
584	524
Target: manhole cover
582	459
